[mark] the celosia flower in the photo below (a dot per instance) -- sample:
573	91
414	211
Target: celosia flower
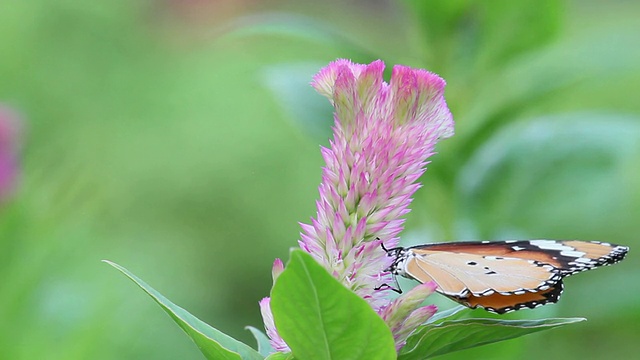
9	143
383	135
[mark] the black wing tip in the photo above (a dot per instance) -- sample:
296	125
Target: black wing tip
617	254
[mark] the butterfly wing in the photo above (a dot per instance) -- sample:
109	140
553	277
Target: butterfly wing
502	276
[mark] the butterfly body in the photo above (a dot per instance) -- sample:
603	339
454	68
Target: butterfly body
502	276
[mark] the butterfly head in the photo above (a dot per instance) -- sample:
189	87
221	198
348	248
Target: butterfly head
399	255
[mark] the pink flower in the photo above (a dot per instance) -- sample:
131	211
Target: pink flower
9	143
404	314
383	135
276	341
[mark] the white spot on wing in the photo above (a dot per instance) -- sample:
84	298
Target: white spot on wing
572	253
493	257
551	245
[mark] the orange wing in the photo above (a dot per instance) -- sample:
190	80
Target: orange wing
501	304
502	276
460	274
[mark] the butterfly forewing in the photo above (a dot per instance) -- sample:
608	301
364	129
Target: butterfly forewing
567	256
458	274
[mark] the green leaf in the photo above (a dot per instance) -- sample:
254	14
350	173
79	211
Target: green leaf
449	314
449	336
213	343
321	319
280	356
264	346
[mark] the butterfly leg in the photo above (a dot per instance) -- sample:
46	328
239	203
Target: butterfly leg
388	287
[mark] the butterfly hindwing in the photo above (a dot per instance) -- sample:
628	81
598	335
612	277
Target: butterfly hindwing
500	304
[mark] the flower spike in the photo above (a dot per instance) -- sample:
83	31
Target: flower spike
383	134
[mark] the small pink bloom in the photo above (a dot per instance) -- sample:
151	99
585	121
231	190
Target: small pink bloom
267	316
278	268
404	314
9	144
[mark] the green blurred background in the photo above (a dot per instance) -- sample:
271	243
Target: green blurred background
181	140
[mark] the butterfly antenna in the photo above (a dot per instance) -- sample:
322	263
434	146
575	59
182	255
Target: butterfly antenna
382	245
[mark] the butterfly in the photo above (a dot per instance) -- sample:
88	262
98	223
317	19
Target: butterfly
501	276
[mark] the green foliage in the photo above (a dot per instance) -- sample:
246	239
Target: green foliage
214	344
475	31
515	167
264	346
320	319
290	84
280	356
453	313
453	335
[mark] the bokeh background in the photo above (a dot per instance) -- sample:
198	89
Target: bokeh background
181	140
